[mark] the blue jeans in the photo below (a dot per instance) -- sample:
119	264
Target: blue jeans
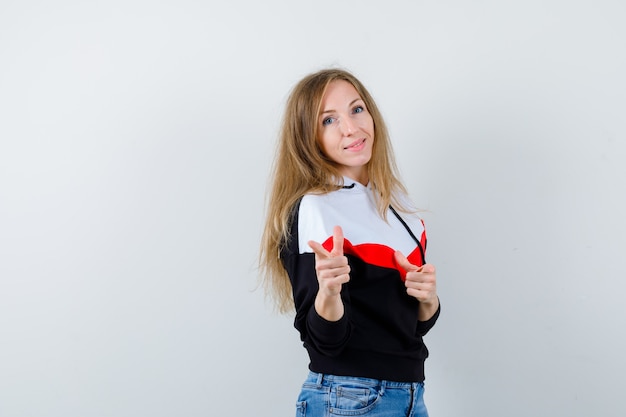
330	395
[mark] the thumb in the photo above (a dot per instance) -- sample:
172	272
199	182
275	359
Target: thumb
337	242
318	249
404	262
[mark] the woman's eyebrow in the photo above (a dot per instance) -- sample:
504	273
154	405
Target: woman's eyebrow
351	103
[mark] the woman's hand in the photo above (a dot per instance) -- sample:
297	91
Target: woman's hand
421	283
332	272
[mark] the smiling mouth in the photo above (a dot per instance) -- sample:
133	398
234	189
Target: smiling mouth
356	144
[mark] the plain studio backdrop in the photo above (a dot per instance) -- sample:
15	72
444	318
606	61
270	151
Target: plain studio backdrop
136	139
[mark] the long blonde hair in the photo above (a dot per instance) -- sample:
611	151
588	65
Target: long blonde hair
300	167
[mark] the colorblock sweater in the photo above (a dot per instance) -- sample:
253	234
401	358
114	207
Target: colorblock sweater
379	335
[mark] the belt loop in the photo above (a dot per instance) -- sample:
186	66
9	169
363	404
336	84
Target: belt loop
383	384
320	378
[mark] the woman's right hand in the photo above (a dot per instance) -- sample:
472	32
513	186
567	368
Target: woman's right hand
332	271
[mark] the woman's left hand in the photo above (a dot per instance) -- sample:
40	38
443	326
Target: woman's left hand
421	283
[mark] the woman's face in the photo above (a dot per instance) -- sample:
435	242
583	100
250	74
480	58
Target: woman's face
346	130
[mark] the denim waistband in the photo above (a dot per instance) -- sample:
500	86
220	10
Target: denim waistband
321	379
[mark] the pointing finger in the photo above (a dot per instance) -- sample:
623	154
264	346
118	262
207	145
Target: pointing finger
404	262
337	242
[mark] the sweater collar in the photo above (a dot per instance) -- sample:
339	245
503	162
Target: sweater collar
350	184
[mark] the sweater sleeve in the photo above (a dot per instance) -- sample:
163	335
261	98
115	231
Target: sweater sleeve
327	337
424	326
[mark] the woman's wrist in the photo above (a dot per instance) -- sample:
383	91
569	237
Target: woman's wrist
329	307
427	309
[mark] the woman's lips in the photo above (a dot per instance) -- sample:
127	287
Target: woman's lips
356	145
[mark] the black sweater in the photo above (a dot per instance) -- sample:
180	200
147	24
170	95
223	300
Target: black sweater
379	335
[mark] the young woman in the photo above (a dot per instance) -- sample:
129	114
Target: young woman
344	246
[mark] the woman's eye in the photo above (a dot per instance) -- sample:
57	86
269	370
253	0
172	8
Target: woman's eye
327	121
358	109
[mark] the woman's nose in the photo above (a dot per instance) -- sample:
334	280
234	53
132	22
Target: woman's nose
348	126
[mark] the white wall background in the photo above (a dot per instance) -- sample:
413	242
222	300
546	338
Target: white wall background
135	142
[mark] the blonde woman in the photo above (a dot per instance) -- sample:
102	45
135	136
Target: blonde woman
344	247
